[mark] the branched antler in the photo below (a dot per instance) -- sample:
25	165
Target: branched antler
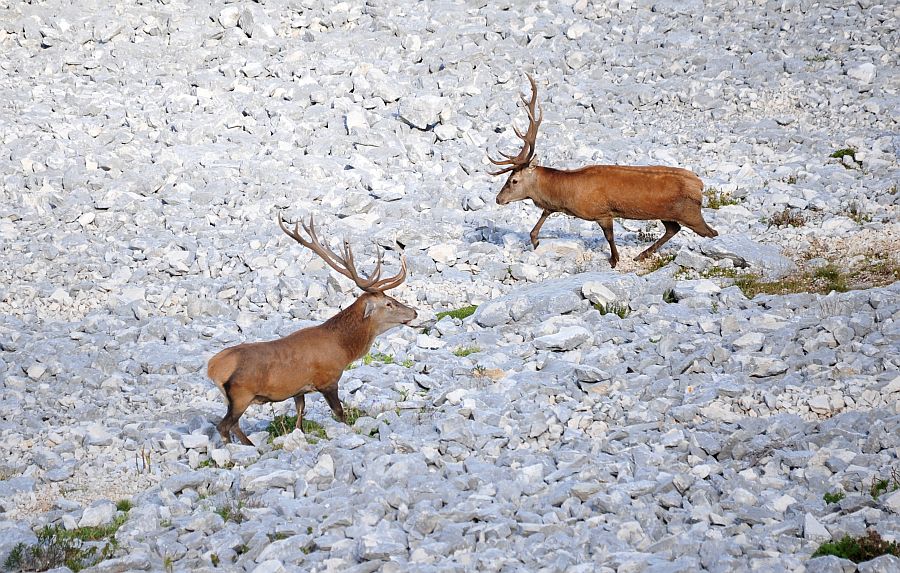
344	263
514	162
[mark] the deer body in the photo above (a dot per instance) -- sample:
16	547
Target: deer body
602	192
312	359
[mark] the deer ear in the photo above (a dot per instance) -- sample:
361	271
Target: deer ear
369	308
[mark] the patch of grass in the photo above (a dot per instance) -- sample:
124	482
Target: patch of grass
669	296
615	307
841	153
214	559
459	313
408	363
659	261
353	414
282	425
791	180
124	505
231	511
463	351
833	497
374	357
822	280
716	199
720	272
834	278
787	218
57	547
818	58
859	549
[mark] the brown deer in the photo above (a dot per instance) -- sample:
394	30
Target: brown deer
314	358
601	192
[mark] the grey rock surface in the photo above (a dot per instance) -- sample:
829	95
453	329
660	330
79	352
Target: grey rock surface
147	148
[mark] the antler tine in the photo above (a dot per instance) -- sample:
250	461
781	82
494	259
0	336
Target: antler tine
502	171
391	282
346	264
528	138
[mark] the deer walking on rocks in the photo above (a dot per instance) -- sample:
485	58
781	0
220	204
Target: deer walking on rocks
314	358
601	192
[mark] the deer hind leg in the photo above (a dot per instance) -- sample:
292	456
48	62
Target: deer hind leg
238	402
607	226
300	405
331	396
698	225
537	228
671	228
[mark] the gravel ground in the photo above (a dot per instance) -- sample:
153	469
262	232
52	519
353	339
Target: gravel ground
147	148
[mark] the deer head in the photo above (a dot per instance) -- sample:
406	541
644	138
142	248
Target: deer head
383	311
522	179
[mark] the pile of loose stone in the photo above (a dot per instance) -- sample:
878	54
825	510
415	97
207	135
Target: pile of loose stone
146	150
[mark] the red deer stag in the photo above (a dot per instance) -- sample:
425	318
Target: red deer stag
314	358
601	192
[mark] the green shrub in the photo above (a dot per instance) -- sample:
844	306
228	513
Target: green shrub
859	549
58	547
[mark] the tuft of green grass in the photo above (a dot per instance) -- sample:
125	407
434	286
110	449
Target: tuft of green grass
659	261
459	313
833	497
408	363
377	357
880	486
859	549
463	351
669	296
373	358
281	425
58	547
231	511
716	199
615	307
353	414
124	505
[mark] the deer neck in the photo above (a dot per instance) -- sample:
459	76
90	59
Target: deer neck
353	332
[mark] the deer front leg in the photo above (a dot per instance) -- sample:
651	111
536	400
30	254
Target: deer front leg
537	228
300	405
331	396
607	226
